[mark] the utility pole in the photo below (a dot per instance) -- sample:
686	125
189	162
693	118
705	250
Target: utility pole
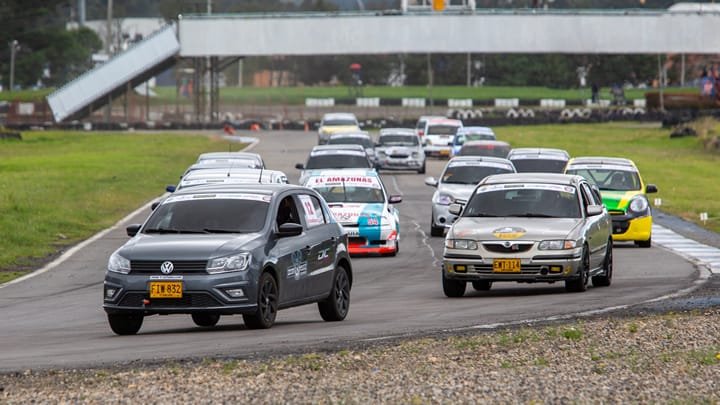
81	13
208	68
108	109
13	48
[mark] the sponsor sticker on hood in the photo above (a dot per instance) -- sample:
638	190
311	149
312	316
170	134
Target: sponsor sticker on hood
509	232
351	213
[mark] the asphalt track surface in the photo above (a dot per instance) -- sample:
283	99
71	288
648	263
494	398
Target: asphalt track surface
55	319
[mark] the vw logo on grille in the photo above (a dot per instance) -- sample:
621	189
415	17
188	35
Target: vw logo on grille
167	267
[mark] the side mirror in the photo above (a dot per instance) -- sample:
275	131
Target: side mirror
154	205
593	210
651	188
300	166
170	189
289	229
395	199
450	143
133	229
431	181
455	209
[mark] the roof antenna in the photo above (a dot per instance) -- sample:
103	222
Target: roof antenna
260	179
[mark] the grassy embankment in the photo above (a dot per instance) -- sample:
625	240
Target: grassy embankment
297	95
58	188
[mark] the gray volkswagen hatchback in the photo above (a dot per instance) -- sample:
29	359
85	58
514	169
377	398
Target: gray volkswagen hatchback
209	251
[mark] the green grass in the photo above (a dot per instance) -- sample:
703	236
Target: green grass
57	188
25	95
685	173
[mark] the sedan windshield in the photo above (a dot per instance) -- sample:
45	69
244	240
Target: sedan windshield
337	162
539	165
484	150
526	202
610	179
442	130
398	140
470	174
208	216
339	123
356	194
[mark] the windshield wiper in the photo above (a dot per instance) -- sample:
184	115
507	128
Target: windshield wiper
532	215
483	214
171	230
213	230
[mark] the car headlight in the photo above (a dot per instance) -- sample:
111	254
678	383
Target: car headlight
118	264
465	244
416	155
229	263
381	153
560	244
638	205
443	199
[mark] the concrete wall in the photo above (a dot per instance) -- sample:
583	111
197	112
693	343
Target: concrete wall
630	32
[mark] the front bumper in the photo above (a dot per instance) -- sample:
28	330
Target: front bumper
406	163
200	293
625	228
547	266
437	150
362	242
441	216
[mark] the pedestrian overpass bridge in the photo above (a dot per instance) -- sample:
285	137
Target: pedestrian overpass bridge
219	37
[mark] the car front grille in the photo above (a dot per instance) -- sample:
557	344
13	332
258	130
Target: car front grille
399	156
488	269
179	267
501	248
189	300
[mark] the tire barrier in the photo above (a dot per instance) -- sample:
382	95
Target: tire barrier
464	114
568	113
511	113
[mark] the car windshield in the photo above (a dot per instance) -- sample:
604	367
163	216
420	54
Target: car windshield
550	202
339	161
420	124
208	215
539	165
398	140
470	174
351	193
442	130
610	179
347	140
479	137
339	122
484	150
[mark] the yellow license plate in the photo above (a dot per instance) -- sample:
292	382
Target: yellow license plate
444	152
506	266
166	289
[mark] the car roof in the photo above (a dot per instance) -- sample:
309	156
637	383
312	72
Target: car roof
528	153
491	159
444	121
486	142
344	149
229	155
549	178
398	131
482	130
230	172
339	115
601	161
363	134
267	189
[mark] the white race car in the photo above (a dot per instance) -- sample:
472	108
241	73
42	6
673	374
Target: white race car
358	201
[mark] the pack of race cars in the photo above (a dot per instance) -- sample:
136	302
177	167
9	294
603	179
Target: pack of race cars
233	237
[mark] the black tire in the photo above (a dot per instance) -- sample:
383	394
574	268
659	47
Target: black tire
436	230
125	324
482	285
335	308
453	288
644	243
580	284
422	169
605	279
267	304
205	320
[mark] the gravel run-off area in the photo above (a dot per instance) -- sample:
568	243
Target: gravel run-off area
661	358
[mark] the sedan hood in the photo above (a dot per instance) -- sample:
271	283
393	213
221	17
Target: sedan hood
185	247
458	191
397	150
514	228
351	213
618	200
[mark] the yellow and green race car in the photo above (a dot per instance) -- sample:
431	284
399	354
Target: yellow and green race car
624	194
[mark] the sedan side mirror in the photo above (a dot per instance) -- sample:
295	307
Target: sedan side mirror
133	229
431	181
154	205
651	188
170	188
593	210
395	199
300	166
455	209
289	229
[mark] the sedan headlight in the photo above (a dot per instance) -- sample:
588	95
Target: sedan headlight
443	199
560	244
416	155
228	264
381	153
118	264
465	244
638	206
